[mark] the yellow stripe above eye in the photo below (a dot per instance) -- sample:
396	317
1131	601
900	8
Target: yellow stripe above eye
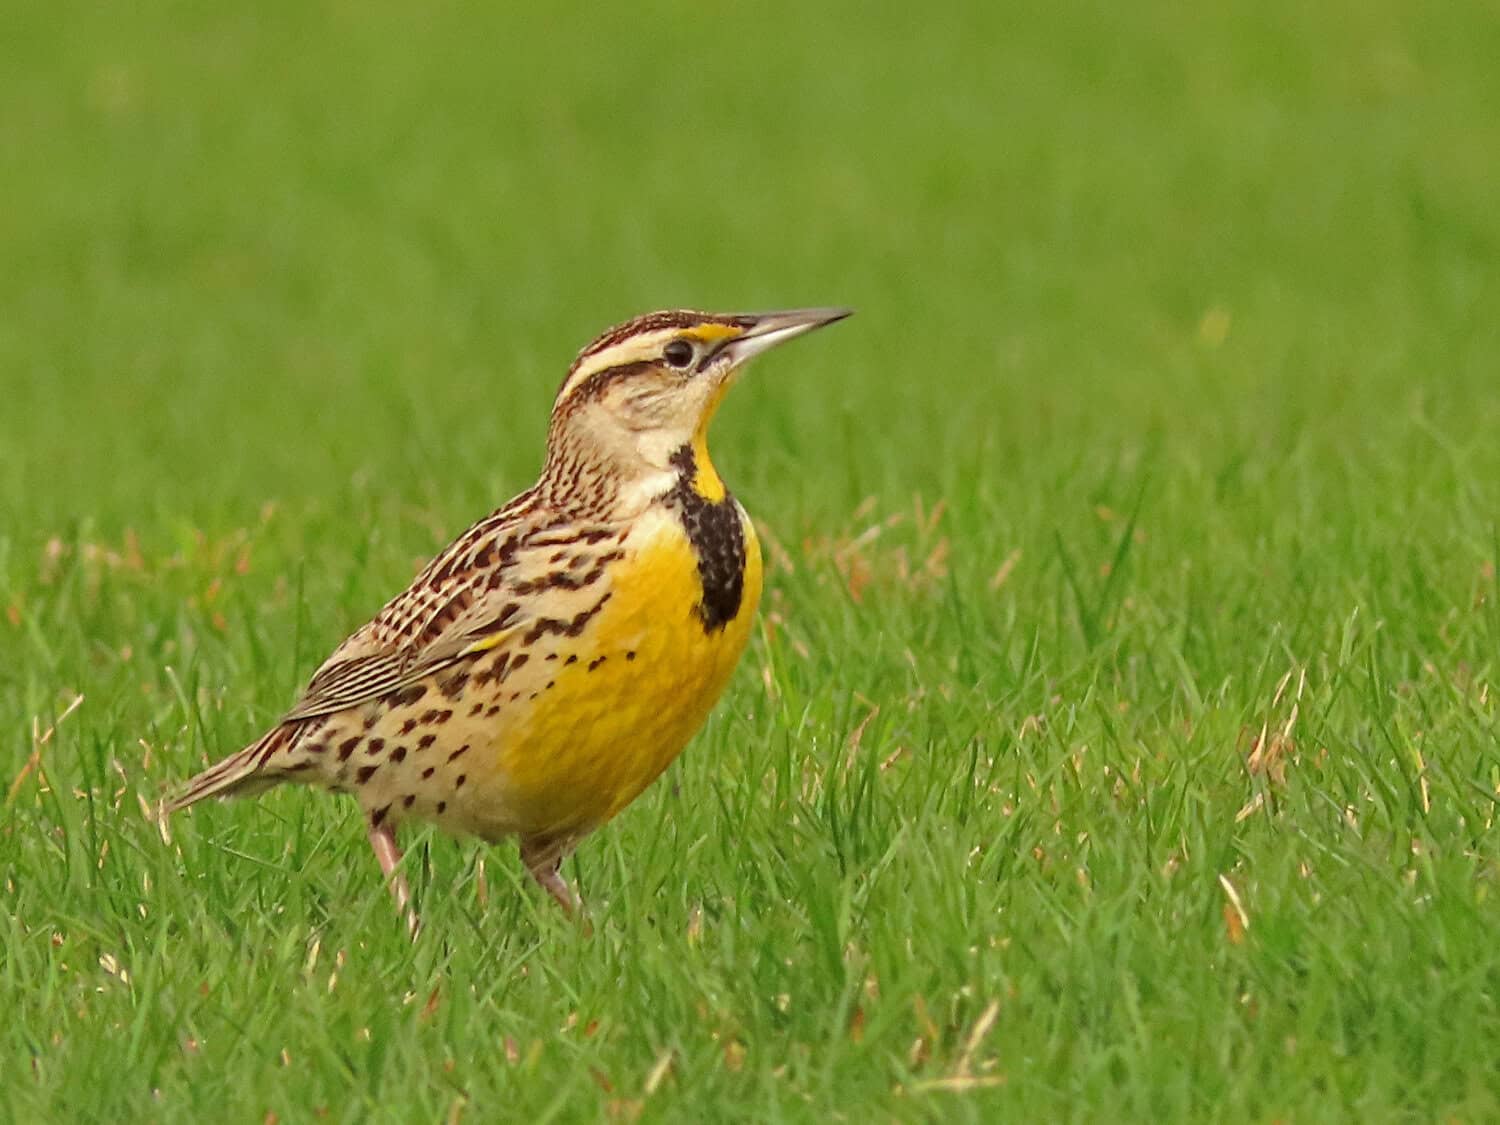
710	332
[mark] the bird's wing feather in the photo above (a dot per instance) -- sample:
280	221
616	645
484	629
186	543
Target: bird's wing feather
348	680
469	599
364	668
461	599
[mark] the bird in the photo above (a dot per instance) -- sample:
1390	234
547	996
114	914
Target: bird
547	665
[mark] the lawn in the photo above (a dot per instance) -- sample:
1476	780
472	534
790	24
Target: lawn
1118	740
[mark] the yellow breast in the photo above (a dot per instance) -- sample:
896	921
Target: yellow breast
624	698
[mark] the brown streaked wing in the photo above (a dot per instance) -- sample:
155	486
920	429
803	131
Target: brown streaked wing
468	598
347	680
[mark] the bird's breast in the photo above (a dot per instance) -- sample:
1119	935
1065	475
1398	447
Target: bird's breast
603	713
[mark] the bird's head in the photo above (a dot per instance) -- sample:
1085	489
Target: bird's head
637	402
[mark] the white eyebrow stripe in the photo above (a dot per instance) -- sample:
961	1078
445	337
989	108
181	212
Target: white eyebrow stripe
647	345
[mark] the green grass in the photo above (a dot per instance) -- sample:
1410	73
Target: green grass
1172	395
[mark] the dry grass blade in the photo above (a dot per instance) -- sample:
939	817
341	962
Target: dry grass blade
658	1073
959	1083
1237	918
39	739
981	1028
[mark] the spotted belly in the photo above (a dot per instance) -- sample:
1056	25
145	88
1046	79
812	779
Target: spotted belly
622	701
554	732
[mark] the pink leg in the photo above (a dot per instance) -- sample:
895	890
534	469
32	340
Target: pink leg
383	840
543	858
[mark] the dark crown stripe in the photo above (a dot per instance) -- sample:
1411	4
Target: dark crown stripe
651	322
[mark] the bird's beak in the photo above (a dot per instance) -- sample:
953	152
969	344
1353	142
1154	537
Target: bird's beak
763	331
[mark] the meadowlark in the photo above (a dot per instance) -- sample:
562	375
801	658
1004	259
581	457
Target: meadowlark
554	659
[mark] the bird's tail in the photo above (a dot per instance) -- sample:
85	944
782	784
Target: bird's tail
242	774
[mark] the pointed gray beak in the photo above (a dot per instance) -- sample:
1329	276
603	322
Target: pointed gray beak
764	331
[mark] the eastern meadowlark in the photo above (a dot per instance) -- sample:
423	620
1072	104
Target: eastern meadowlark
546	666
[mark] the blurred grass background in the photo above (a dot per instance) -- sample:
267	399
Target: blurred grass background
1171	394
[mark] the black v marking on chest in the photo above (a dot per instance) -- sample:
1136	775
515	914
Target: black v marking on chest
718	540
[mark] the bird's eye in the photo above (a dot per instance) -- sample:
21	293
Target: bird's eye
679	353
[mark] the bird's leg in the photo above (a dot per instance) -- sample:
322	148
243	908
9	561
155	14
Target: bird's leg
543	857
388	852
